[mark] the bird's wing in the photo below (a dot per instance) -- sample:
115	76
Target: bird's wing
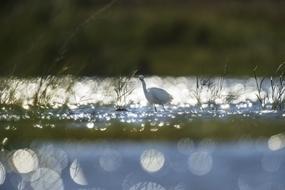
160	95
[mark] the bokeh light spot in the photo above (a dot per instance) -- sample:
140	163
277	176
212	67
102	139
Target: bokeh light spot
200	163
46	179
152	160
25	160
77	174
185	146
147	186
110	160
90	125
276	142
2	174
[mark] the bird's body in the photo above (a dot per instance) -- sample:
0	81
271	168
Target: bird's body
155	95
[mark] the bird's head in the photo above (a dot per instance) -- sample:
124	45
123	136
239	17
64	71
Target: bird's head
141	77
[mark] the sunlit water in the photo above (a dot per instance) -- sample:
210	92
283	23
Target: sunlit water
180	164
94	100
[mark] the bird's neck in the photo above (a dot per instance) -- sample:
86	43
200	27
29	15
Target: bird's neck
144	87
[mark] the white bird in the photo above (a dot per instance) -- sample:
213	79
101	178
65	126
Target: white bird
155	95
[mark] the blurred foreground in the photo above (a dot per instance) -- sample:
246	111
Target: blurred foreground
181	165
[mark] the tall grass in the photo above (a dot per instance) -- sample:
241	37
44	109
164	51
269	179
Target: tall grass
41	96
8	89
198	91
276	93
46	88
123	87
269	97
214	87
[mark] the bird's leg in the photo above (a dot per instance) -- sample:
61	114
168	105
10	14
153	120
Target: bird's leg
154	108
163	107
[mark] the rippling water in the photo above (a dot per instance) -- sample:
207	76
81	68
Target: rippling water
94	99
65	133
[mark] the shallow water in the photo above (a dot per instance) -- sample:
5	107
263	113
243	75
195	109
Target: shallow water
94	99
65	133
75	92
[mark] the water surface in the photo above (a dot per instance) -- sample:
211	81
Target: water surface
65	133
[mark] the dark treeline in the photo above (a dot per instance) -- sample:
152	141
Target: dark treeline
164	37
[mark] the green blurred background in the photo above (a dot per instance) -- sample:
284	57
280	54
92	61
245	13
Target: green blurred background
159	37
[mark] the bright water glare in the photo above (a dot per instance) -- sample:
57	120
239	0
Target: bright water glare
94	99
68	133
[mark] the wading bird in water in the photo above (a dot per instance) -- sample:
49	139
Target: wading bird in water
155	95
